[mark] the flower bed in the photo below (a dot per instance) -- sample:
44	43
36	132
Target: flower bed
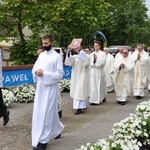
65	85
132	133
24	93
8	97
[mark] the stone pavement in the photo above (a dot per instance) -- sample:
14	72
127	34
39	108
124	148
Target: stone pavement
95	123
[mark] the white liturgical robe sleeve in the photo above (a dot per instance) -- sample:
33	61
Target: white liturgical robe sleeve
35	77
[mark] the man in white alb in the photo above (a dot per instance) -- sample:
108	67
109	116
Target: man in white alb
47	72
141	69
109	70
119	54
98	89
79	89
123	76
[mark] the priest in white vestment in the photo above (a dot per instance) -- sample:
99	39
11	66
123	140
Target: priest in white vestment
109	70
47	72
119	54
123	76
79	89
98	89
141	69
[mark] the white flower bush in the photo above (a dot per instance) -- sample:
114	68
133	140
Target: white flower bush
8	97
65	84
132	133
24	93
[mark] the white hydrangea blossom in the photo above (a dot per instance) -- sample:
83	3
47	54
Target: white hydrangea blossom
24	93
65	84
8	97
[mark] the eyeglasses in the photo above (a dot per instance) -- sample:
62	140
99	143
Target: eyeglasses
124	52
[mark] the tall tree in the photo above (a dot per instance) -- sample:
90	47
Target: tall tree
65	19
144	34
125	19
77	19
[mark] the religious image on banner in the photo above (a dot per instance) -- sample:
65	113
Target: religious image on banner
75	43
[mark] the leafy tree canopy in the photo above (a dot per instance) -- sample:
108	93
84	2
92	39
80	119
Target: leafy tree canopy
120	21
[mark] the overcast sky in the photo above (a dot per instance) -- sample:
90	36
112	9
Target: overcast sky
148	6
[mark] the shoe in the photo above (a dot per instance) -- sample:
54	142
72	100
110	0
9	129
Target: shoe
123	103
149	90
104	100
6	118
57	137
41	146
118	102
78	111
138	97
92	104
60	114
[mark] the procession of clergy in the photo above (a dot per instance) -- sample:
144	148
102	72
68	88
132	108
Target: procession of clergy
97	73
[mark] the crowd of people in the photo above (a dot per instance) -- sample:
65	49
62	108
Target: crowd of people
96	73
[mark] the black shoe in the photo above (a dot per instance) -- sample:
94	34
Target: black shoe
41	146
138	97
78	111
123	103
118	102
104	100
6	118
93	104
57	137
60	114
149	90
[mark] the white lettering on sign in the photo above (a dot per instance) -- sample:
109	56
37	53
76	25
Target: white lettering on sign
7	79
14	78
67	72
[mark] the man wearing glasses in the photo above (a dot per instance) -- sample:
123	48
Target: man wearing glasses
123	76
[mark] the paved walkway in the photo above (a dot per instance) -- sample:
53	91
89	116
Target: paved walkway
95	123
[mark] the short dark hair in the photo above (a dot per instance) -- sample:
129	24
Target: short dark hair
98	42
48	36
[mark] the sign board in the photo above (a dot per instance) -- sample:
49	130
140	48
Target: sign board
22	76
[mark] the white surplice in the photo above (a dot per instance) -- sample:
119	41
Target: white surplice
79	89
98	89
118	55
109	71
141	70
45	120
123	78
